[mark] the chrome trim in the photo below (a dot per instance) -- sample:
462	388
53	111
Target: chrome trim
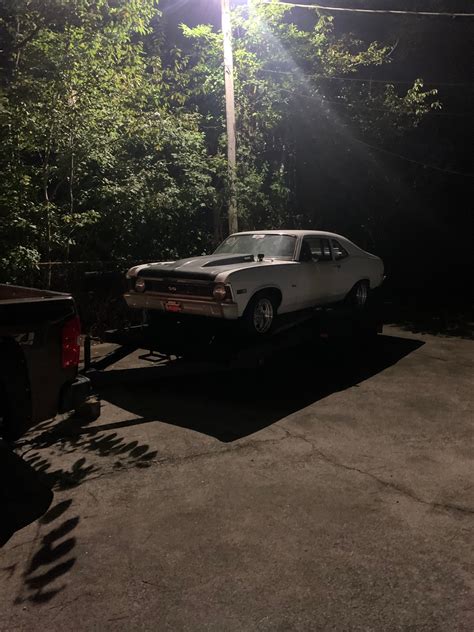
181	297
228	285
178	280
212	308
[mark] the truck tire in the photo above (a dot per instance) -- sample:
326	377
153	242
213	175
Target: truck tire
260	314
15	395
8	430
3	408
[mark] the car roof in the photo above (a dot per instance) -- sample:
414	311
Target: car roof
353	248
291	232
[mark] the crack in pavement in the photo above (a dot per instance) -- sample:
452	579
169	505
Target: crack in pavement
450	507
254	445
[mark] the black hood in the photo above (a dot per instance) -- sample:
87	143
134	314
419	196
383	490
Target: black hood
204	268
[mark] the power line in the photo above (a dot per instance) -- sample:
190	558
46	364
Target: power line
361	106
391	153
412	160
319	7
361	80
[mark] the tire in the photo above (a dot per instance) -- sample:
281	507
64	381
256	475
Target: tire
260	314
3	409
9	430
15	394
359	295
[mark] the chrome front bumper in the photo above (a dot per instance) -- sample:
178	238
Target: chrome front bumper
197	307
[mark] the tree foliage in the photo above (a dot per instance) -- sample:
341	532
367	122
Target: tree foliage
287	84
113	137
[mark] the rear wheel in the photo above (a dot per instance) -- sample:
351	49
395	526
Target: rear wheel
259	316
15	395
359	295
9	431
3	409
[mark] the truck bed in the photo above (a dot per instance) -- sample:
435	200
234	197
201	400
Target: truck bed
23	308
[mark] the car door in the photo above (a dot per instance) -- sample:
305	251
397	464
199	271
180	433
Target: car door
317	272
346	275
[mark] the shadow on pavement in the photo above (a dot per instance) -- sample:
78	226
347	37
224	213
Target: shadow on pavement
24	495
52	559
234	404
226	405
429	313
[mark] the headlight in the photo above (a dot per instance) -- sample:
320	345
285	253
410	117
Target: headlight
220	292
140	285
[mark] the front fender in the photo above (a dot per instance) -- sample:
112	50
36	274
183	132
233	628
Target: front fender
243	298
245	283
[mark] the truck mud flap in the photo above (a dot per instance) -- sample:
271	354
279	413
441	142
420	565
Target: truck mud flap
74	394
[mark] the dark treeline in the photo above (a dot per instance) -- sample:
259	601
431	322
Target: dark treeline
113	131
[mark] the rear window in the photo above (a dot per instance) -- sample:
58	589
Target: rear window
339	251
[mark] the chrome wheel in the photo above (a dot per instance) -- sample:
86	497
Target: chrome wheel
263	315
361	294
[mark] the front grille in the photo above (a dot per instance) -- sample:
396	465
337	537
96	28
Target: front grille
173	287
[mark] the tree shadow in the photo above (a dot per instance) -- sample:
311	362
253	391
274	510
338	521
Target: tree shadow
24	495
234	404
427	315
53	559
69	437
29	493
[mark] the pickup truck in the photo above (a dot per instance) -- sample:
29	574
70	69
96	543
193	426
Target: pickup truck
39	358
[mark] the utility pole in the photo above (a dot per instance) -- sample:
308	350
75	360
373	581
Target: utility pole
230	114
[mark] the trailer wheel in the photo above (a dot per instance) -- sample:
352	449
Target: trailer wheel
260	313
359	295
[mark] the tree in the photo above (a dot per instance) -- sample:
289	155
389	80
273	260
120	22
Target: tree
92	150
113	137
289	96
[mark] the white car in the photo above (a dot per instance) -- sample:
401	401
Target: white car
252	276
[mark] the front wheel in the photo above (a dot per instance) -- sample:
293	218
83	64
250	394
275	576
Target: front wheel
259	316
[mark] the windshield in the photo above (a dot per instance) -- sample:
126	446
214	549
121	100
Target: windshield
271	246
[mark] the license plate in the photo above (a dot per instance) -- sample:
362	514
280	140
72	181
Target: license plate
173	306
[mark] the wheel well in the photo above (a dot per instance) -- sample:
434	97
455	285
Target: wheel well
273	291
360	281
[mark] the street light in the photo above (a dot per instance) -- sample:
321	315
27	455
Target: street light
230	114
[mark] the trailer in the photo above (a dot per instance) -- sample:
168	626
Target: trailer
189	345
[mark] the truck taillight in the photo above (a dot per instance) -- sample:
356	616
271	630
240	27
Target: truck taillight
70	345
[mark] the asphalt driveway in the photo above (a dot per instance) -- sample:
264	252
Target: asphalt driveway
333	490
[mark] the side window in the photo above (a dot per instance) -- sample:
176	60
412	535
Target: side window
326	256
320	249
339	251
